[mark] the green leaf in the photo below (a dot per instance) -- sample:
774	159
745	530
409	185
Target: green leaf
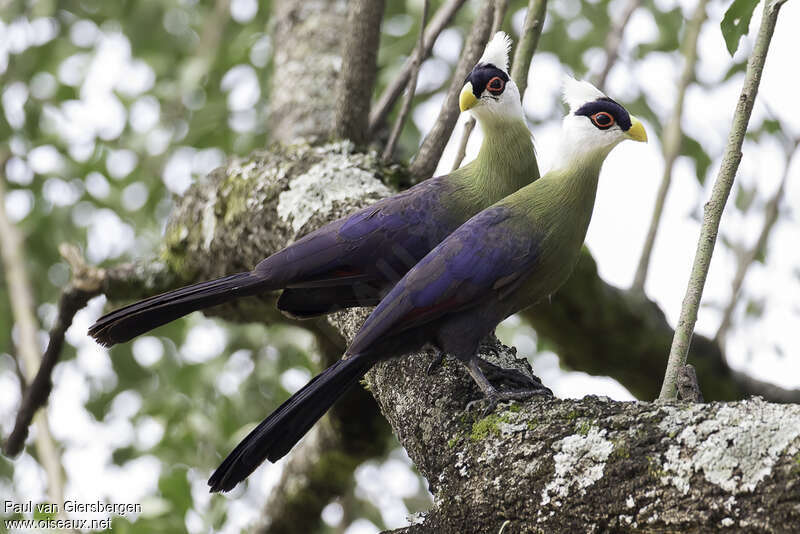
736	22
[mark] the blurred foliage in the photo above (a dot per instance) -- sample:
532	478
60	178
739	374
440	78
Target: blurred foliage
94	153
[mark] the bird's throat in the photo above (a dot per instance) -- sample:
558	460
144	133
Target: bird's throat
506	161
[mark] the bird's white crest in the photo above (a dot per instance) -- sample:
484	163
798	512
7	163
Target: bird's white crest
497	50
579	92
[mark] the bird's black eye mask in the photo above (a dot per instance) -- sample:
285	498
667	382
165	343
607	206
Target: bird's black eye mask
605	113
487	77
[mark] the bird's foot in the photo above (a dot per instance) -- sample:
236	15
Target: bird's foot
494	396
513	377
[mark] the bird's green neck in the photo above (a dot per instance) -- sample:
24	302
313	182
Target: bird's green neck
561	203
506	162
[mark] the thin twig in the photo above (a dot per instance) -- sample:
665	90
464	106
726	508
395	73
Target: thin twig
433	145
393	91
528	41
719	196
469	125
87	282
771	212
22	306
360	67
614	40
412	87
500	7
672	141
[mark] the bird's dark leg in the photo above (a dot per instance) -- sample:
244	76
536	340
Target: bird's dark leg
493	396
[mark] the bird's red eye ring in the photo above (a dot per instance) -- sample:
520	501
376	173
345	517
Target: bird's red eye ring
496	85
602	120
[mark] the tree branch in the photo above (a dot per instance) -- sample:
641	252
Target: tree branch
440	21
469	125
523	55
434	143
671	147
412	87
591	464
771	212
719	196
125	281
308	39
357	80
22	306
614	40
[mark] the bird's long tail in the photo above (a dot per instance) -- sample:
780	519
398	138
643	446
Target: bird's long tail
126	323
283	428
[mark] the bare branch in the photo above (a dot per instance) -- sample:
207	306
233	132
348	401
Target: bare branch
22	306
671	147
500	7
523	55
433	145
35	396
469	125
390	95
771	212
412	87
613	40
87	282
719	196
359	68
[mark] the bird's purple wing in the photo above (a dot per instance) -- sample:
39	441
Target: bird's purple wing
380	242
484	257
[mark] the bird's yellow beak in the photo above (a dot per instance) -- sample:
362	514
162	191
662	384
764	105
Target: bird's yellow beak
467	100
636	131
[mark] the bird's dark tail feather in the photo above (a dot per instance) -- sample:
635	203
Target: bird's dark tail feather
274	437
126	323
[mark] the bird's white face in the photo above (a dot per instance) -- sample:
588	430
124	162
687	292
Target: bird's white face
490	95
595	124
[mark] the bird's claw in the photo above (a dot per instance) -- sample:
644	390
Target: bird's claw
514	377
438	359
